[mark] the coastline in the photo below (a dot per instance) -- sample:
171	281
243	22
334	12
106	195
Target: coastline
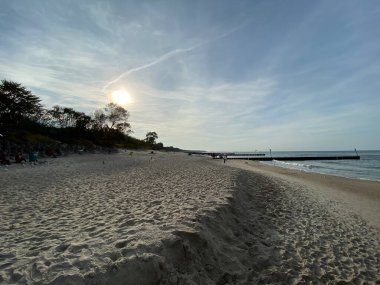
361	196
176	219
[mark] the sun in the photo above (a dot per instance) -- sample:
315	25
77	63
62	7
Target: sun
121	97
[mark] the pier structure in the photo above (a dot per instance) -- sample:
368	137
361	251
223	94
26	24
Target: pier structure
234	154
263	157
298	158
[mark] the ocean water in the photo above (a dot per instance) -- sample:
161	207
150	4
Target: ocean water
367	168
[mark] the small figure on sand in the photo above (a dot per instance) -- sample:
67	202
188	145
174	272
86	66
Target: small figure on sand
224	158
33	157
19	158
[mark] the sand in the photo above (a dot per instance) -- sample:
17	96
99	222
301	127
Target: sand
178	219
361	196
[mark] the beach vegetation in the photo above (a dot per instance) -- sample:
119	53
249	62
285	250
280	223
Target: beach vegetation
112	116
17	104
64	117
151	137
24	120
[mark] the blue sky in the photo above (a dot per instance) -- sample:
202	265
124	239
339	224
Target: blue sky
212	75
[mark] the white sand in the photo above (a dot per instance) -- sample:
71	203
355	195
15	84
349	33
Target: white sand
175	220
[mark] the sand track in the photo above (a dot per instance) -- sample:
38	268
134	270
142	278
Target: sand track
174	220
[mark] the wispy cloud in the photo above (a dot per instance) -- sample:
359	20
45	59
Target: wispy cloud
230	76
154	62
173	53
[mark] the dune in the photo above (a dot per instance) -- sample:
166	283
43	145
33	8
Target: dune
177	219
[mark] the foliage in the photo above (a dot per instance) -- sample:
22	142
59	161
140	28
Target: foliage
151	137
112	117
23	120
158	146
37	138
17	103
64	117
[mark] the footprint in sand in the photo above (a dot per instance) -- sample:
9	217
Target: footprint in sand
35	273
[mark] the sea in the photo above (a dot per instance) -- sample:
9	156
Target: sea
366	168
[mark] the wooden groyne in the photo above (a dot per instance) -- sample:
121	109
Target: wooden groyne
216	154
297	158
264	157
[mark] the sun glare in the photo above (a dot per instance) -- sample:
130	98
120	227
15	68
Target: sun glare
121	97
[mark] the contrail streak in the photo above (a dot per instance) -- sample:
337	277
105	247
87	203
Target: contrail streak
171	54
154	62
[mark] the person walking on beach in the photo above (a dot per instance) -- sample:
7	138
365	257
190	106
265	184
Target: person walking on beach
224	158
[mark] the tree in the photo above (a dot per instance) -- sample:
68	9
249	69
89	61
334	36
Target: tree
158	146
83	121
64	117
151	137
112	117
17	103
117	117
99	120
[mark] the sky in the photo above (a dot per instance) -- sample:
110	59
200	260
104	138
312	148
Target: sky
207	75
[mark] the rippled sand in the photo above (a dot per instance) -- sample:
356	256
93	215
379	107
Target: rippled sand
174	219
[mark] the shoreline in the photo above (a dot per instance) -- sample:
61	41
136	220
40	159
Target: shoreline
328	174
175	219
362	196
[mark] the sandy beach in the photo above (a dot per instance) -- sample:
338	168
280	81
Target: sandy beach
360	196
179	219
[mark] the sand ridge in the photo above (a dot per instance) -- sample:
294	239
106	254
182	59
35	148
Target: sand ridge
175	219
81	214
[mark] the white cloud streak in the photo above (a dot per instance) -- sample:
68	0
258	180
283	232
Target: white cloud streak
283	83
171	54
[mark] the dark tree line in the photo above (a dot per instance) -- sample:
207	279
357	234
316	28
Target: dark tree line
23	118
17	104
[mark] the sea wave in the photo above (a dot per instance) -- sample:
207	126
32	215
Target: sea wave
293	165
329	169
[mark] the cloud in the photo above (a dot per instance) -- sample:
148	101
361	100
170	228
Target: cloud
173	53
200	111
235	76
154	62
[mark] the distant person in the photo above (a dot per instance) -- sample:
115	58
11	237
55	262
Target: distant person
19	158
224	158
50	152
33	157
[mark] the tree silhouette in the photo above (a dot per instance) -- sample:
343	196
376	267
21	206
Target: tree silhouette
24	120
16	104
112	117
64	117
151	137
